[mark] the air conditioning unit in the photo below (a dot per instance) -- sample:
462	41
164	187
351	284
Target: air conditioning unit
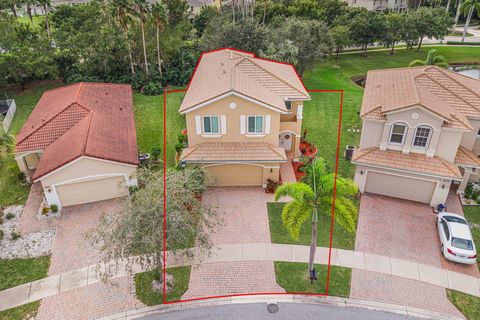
348	153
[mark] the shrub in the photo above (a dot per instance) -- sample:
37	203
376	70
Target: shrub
469	191
179	147
54	208
45	210
466	43
1	234
155	153
15	235
153	89
10	216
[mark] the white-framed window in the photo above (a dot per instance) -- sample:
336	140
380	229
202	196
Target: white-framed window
422	136
210	125
255	124
398	133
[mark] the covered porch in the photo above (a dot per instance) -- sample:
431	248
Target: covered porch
28	162
469	165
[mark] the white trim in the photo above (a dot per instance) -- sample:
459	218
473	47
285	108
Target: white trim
251	135
198	124
405	171
223	124
242	124
78	159
398	175
230	93
263	124
404	136
300	112
203	125
211	135
267	124
91	178
242	163
289	132
429	138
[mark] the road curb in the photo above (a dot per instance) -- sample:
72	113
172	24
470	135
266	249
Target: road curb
280	298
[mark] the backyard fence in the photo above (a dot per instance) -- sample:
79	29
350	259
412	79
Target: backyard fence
8	108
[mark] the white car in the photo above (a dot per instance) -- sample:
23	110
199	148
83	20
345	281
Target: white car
456	238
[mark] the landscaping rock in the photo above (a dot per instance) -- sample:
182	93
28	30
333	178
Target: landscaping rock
27	246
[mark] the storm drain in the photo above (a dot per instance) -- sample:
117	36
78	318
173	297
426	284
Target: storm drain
272	307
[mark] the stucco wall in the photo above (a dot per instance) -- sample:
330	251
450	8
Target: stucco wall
448	144
371	133
469	139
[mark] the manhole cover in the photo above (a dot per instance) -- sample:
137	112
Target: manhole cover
272	307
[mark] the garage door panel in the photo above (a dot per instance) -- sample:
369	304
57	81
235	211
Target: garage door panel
400	187
92	190
234	175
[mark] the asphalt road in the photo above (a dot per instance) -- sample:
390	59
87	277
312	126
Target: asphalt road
258	311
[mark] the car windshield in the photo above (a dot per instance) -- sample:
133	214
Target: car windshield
462	243
454	219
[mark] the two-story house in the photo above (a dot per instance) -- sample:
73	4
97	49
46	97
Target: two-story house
244	117
420	135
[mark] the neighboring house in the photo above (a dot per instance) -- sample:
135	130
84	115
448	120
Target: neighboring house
80	143
380	5
244	117
195	6
420	135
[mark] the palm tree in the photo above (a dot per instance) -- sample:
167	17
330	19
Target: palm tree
314	196
468	8
122	10
141	8
45	4
457	14
160	17
433	59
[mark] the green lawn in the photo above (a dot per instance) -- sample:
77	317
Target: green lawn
15	272
292	276
467	304
341	238
472	213
145	294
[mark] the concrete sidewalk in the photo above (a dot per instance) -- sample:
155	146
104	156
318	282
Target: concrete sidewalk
66	281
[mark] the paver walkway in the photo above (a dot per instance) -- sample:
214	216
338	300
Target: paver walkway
287	173
404	230
28	221
245	220
72	251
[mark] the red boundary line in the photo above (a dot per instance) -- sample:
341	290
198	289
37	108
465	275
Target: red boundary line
165	198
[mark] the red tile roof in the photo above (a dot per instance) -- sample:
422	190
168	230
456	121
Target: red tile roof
84	119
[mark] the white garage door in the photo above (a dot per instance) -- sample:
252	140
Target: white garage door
92	190
235	175
400	187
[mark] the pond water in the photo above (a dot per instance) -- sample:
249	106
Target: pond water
469	71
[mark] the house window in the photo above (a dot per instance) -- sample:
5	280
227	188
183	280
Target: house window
398	133
422	136
255	124
288	105
210	124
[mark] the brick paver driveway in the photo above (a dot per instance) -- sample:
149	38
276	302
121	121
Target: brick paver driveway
405	230
72	250
245	219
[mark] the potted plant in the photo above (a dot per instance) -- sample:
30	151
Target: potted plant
271	186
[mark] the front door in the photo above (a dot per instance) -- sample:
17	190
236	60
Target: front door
286	140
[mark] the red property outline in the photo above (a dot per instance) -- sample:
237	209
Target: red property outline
332	223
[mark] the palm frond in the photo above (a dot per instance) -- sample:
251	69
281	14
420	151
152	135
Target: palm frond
416	63
346	214
294	215
299	191
345	187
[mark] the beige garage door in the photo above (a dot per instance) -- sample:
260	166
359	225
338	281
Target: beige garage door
400	187
235	175
90	191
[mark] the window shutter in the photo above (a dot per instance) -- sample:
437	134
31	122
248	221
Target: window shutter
300	111
242	124
267	124
198	124
223	123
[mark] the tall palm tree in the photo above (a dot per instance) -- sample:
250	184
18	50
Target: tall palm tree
433	59
122	9
142	9
45	4
468	8
315	196
457	14
159	14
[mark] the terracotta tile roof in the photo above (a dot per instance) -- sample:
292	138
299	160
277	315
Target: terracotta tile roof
233	151
412	162
99	115
466	158
227	70
451	96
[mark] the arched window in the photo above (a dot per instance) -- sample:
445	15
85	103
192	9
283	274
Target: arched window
422	136
398	133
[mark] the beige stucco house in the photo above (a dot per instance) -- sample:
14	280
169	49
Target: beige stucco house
244	117
420	136
380	5
80	143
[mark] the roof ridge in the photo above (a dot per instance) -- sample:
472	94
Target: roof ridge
458	82
447	165
84	143
371	110
273	75
51	119
468	153
78	92
458	119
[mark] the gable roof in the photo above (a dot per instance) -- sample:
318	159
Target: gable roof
448	95
84	119
229	70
